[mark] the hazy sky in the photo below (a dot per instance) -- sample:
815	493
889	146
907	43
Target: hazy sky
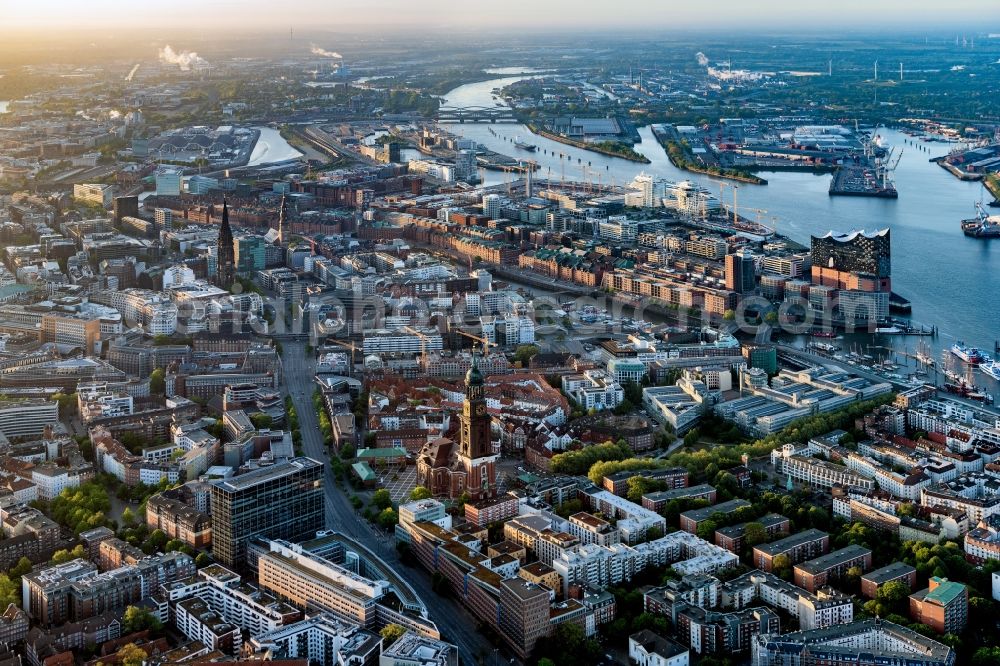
779	15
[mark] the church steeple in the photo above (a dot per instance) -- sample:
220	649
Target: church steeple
474	377
226	255
476	435
282	214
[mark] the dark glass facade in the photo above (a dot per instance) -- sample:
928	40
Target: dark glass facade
284	501
856	252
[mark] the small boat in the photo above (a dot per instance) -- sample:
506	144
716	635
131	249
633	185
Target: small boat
991	369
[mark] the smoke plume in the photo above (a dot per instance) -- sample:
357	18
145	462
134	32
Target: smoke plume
315	50
185	59
702	59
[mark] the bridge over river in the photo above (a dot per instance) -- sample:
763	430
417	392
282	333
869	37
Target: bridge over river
476	114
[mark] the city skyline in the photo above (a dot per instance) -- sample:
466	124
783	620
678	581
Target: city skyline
520	14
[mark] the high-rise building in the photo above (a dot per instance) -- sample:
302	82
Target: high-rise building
164	218
525	614
492	206
764	357
858	253
465	165
225	263
250	255
97	194
283	501
168	181
740	272
126	207
943	606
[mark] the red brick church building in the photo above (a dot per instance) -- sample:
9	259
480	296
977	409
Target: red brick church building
449	469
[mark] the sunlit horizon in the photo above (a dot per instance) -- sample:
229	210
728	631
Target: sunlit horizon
347	15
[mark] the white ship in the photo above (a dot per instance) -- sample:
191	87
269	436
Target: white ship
687	197
991	369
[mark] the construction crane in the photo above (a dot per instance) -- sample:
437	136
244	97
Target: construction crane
346	345
722	199
485	341
527	168
423	342
722	192
760	213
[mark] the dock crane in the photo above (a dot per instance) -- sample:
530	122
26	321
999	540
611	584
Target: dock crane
896	162
888	166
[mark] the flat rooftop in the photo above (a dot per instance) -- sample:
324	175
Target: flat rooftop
678	493
264	474
789	542
830	560
770	520
889	572
707	512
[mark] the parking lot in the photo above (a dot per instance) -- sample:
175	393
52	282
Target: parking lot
399	483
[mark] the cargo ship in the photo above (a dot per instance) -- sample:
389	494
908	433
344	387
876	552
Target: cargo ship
970	355
524	145
983	225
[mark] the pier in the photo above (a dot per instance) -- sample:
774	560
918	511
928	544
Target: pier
860	181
